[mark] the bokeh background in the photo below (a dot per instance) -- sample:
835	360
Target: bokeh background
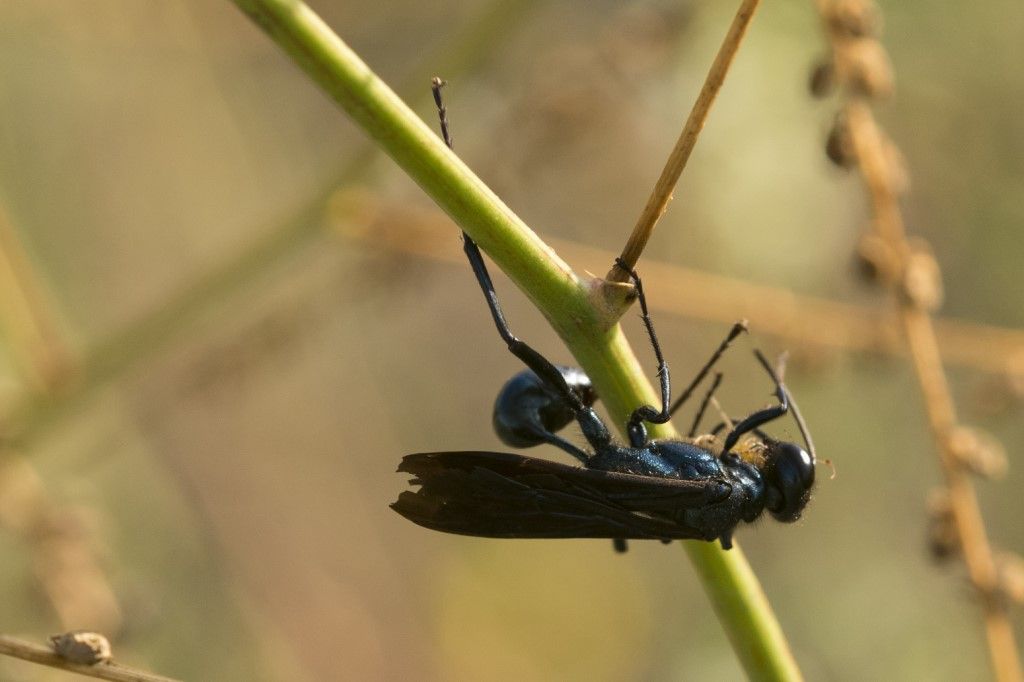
211	368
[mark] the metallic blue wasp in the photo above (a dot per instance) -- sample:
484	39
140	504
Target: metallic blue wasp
648	489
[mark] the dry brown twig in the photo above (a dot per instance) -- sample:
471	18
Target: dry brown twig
911	275
661	195
36	653
358	214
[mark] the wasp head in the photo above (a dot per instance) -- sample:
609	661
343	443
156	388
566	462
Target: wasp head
788	476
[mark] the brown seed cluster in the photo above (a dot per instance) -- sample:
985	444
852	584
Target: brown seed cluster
859	72
858	64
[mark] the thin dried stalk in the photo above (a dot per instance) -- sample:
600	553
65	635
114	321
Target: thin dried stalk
35	653
914	286
661	195
426	233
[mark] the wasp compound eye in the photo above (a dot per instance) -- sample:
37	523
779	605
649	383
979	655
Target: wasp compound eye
790	477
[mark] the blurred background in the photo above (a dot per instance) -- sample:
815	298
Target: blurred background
227	317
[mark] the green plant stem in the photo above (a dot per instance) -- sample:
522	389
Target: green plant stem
742	606
588	330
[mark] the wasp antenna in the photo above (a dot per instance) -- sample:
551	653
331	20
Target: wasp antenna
804	431
776	376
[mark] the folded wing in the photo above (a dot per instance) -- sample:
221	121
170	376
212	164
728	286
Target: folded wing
501	495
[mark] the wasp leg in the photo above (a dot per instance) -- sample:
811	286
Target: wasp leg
593	429
648	413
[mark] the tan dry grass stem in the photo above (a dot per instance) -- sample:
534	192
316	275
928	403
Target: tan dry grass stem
661	195
807	320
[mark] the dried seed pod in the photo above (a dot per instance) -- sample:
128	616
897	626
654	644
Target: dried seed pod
839	145
82	647
922	280
977	450
874	259
867	70
822	80
943	537
853	18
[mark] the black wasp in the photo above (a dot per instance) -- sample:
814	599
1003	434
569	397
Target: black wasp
649	489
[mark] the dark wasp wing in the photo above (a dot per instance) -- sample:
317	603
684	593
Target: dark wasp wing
501	495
